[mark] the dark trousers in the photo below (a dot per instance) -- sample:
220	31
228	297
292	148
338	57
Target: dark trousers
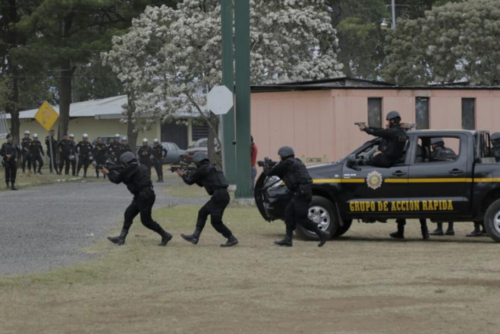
159	169
73	166
215	208
99	162
297	211
423	226
50	162
10	171
37	159
26	160
85	162
382	160
65	162
144	207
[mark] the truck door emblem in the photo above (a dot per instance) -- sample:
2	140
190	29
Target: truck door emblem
374	180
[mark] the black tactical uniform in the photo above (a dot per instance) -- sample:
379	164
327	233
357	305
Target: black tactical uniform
159	152
65	148
84	150
442	153
298	181
10	163
208	176
124	148
52	159
144	154
114	150
391	146
137	178
36	152
73	156
25	144
100	155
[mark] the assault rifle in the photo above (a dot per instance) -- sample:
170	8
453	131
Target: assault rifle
111	166
267	163
187	168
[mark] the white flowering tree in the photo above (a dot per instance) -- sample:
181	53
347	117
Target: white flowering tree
172	57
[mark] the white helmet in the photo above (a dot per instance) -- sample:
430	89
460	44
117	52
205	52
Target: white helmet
26	132
117	135
85	135
156	140
124	138
145	140
35	135
72	135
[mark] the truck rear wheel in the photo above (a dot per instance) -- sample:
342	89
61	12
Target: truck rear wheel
492	221
321	212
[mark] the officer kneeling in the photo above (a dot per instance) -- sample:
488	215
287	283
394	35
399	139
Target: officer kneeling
137	178
215	183
298	181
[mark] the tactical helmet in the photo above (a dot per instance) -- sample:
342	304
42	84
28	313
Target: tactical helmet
285	152
145	140
117	136
35	135
26	132
72	136
85	136
124	138
437	140
127	157
495	136
199	157
156	140
392	115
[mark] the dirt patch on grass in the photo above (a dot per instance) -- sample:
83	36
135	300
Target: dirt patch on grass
363	283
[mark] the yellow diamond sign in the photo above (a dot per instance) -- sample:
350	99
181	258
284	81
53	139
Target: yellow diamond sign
46	116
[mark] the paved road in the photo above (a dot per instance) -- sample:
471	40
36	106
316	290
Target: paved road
46	227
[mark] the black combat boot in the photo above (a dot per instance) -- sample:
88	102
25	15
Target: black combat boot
287	241
438	231
7	184
477	231
40	171
323	236
120	240
231	241
13	187
193	238
165	238
400	234
424	229
450	230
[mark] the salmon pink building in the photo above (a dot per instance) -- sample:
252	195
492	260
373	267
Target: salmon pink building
317	118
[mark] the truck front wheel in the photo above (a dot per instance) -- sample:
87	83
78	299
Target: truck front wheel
492	221
321	212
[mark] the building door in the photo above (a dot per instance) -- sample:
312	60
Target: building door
422	112
175	133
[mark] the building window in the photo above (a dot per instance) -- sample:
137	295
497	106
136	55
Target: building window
468	114
199	131
375	112
422	112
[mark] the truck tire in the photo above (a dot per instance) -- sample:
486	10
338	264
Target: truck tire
321	211
492	220
342	229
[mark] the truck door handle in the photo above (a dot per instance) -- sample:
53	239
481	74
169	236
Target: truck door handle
456	172
399	173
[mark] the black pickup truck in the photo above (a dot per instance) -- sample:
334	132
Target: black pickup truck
463	189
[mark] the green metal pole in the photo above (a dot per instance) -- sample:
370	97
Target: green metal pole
228	125
242	37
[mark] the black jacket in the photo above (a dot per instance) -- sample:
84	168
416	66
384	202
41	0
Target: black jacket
207	176
10	149
25	144
144	153
100	151
293	172
36	148
136	177
84	148
124	148
66	147
114	149
393	140
54	144
159	152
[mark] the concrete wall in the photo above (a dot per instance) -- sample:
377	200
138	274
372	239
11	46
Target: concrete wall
320	124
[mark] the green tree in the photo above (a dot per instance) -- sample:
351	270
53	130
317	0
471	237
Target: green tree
453	42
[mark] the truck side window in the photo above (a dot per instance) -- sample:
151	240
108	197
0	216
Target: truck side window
437	149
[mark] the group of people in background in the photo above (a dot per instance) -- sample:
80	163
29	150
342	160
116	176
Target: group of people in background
69	156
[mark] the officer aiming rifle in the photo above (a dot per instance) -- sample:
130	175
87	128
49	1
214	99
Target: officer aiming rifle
183	166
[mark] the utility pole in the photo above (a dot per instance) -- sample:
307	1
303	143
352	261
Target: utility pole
228	124
242	38
393	25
